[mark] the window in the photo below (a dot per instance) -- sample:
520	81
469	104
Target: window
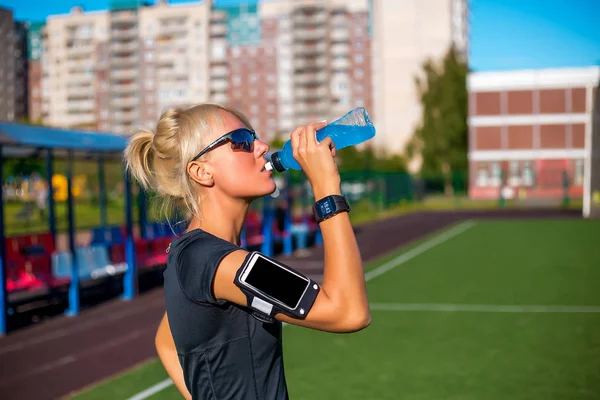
236	51
236	80
496	174
482	175
359	73
527	172
358	58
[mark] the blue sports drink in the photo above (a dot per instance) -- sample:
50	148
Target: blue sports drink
353	128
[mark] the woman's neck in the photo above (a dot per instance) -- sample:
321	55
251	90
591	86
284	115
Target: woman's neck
222	217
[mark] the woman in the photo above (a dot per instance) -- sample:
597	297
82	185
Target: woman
207	160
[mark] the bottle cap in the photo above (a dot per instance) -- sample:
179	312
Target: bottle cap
269	166
276	163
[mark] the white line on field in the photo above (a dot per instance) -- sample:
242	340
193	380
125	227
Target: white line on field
484	308
393	263
152	390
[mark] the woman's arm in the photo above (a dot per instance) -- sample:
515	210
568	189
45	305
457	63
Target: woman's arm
342	304
165	346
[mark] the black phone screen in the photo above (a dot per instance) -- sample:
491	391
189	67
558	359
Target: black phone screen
277	282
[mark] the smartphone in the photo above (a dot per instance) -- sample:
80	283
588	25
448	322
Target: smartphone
274	281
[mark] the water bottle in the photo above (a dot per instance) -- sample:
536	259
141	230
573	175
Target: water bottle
353	128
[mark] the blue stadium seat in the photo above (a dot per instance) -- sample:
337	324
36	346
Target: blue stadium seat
61	264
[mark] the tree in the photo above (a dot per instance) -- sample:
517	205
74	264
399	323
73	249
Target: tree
441	137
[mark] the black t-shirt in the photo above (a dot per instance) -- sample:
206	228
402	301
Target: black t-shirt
225	353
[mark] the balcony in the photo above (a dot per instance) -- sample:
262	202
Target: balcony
80	50
81	105
310	49
80	64
79	119
301	19
220	98
80	91
340	49
127	88
124	74
219	71
116	47
340	34
310	34
311	93
340	64
124	33
124	17
219	85
81	78
218	30
310	78
304	63
124	102
126	116
124	61
303	108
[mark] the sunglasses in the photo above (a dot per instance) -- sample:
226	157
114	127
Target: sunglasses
241	140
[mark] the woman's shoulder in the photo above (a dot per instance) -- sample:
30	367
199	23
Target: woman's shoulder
199	244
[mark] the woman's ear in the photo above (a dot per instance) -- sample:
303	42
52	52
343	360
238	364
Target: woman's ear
199	174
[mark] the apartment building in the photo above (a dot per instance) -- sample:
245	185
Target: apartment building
529	130
405	34
117	70
21	71
34	76
304	61
7	66
283	62
72	64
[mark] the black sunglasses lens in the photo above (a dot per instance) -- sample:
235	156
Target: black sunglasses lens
242	140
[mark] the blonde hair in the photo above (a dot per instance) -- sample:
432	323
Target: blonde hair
158	160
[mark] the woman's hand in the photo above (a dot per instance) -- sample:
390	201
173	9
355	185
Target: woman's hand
316	159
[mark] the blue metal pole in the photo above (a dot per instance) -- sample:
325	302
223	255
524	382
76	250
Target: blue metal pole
73	309
287	224
3	274
102	187
142	211
130	278
267	245
51	211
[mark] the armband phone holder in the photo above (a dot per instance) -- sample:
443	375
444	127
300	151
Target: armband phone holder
271	287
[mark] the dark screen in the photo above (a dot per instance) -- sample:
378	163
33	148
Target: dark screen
276	282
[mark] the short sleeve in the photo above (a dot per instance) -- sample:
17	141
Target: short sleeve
197	265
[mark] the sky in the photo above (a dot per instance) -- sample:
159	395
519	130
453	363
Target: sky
504	34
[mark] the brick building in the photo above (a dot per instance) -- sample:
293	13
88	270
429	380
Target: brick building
529	131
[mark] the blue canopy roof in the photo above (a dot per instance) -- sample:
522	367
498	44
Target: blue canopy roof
53	138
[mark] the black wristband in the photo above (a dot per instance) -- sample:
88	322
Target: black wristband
329	206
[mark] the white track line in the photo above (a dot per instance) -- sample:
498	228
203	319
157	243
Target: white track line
152	390
484	308
420	249
401	259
